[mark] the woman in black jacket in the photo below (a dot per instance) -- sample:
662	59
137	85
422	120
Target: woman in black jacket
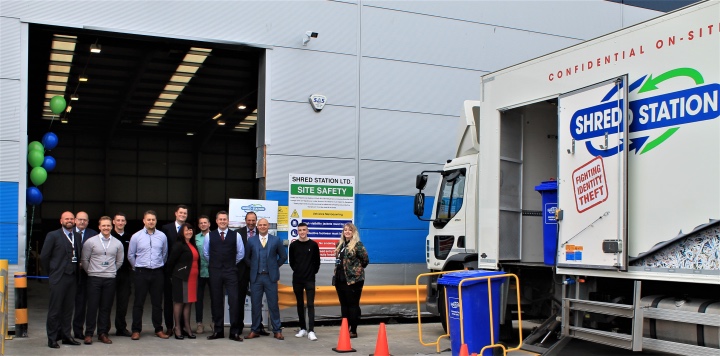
183	264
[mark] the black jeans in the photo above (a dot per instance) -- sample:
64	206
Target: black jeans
309	289
349	296
123	288
100	296
201	283
152	281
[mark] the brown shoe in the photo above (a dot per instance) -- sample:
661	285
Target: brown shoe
279	336
252	335
88	340
200	328
104	339
162	335
135	335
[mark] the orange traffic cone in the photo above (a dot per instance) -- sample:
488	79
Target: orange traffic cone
381	347
343	344
463	350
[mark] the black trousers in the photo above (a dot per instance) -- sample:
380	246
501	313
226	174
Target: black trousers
123	288
243	288
148	280
168	303
224	280
80	304
309	289
100	296
60	308
349	296
201	283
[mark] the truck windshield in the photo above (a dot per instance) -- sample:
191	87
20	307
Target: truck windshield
451	195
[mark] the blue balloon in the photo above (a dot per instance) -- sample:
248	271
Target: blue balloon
49	163
34	196
50	141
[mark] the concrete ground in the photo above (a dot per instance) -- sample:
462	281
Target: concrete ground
402	339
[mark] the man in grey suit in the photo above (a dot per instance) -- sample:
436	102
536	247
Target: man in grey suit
265	255
59	257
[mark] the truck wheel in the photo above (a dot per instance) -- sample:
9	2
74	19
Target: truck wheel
441	307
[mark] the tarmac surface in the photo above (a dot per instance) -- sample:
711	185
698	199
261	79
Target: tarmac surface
402	339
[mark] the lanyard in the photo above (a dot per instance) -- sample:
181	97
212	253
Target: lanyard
72	242
103	243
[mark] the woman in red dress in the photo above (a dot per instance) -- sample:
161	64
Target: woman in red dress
183	264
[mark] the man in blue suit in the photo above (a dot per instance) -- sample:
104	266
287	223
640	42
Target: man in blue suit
265	255
224	249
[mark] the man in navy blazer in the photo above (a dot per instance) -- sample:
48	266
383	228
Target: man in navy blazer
265	255
224	249
60	258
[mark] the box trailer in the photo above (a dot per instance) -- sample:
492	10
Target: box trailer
627	127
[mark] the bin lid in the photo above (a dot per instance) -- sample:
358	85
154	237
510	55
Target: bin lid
454	278
547	185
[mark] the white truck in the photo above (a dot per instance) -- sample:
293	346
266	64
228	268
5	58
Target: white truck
628	125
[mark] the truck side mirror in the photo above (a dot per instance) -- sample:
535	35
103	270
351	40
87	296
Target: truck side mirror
420	182
419	205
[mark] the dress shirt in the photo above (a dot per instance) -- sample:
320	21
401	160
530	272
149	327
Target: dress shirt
240	247
148	250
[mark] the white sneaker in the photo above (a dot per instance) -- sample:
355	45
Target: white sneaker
301	333
311	336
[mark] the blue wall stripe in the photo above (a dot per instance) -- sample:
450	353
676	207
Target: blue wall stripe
9	221
388	228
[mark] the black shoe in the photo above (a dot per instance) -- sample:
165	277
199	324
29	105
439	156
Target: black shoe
124	332
70	341
214	336
53	344
179	337
236	337
188	335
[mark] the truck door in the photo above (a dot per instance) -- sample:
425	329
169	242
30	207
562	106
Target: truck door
592	176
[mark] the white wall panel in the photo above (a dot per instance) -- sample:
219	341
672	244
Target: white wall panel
279	167
416	87
10	110
297	74
409	137
394	178
434	40
9	48
9	156
273	23
577	19
298	130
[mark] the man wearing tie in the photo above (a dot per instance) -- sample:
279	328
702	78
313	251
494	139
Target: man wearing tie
265	255
246	232
171	230
59	257
223	250
81	229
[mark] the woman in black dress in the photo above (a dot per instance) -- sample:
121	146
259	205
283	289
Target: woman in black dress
183	264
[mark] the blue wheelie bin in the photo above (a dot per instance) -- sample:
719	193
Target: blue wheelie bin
476	311
548	191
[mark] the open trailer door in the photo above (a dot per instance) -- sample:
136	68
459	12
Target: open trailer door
592	177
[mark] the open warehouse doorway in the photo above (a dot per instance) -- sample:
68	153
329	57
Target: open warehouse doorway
150	123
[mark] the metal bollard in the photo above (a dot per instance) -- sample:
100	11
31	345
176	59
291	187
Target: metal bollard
21	315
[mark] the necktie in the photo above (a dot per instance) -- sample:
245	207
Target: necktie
251	233
178	229
264	240
222	235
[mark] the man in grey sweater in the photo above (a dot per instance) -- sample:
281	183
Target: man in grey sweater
102	256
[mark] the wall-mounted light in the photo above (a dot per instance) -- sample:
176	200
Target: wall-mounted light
74	97
307	36
64	120
190	133
83	78
221	122
95	48
242	107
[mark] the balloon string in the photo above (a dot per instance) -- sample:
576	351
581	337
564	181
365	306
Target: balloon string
29	237
51	122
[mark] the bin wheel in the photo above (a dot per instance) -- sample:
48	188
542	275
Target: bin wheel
441	307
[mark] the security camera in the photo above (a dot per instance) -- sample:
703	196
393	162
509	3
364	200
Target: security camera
308	35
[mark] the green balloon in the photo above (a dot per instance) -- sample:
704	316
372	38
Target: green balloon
36	158
38	175
36	146
57	104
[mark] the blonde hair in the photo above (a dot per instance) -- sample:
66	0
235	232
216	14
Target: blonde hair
353	241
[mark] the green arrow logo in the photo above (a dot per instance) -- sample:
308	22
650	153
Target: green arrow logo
651	83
